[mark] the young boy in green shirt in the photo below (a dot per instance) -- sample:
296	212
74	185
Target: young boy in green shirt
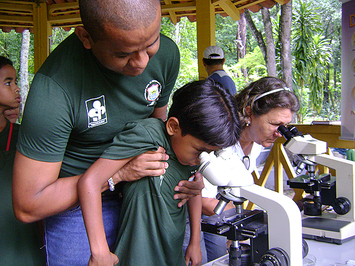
19	243
202	118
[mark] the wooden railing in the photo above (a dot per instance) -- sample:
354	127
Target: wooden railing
280	161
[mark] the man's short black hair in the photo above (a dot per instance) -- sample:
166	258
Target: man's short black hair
213	62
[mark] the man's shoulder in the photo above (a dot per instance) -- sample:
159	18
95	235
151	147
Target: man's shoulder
167	46
65	55
167	40
221	73
151	124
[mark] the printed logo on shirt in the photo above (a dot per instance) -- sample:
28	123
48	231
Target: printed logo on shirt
96	111
152	92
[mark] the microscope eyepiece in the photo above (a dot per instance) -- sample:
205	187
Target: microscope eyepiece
289	132
294	131
284	131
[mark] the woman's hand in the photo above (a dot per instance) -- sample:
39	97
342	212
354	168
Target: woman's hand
189	189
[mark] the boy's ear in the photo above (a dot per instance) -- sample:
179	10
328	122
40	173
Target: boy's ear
84	36
172	126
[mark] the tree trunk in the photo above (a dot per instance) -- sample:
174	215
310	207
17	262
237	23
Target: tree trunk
24	67
285	38
257	34
242	42
270	44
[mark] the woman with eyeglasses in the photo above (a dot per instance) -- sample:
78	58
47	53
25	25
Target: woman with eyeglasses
263	106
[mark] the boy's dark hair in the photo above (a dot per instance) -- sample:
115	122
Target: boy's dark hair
213	62
207	112
4	61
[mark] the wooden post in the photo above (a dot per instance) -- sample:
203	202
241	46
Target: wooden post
42	31
205	17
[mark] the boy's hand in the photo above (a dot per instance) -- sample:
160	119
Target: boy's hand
108	260
189	189
193	255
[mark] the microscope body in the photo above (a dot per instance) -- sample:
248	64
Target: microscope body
338	192
283	230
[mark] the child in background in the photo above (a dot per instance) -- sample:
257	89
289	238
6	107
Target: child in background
202	118
19	242
9	98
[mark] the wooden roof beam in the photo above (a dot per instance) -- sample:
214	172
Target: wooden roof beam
16	19
17	9
253	4
190	6
282	2
172	14
229	8
64	19
58	8
15	26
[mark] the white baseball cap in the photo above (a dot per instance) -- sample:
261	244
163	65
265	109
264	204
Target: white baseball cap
213	52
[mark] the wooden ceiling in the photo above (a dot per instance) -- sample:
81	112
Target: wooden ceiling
19	14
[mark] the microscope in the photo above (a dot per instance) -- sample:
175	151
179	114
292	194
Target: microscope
338	225
274	231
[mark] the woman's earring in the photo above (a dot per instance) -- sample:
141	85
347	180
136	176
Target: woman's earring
248	123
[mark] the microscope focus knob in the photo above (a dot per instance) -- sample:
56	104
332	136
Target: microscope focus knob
342	205
275	257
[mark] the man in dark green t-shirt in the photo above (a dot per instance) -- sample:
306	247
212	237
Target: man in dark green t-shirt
114	69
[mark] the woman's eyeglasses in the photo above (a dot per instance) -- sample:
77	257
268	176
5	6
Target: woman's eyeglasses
246	162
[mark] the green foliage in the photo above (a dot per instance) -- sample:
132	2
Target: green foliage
306	21
226	30
254	63
312	53
184	35
10	47
319	58
58	35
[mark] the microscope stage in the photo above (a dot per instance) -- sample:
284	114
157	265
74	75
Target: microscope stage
327	229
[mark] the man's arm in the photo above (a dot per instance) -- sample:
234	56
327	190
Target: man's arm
39	193
160	112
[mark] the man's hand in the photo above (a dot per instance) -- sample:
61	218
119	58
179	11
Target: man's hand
189	189
150	163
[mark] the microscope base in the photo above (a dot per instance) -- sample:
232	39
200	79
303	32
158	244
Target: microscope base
328	229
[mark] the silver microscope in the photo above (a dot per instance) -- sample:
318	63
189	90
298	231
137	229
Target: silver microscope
336	226
274	230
